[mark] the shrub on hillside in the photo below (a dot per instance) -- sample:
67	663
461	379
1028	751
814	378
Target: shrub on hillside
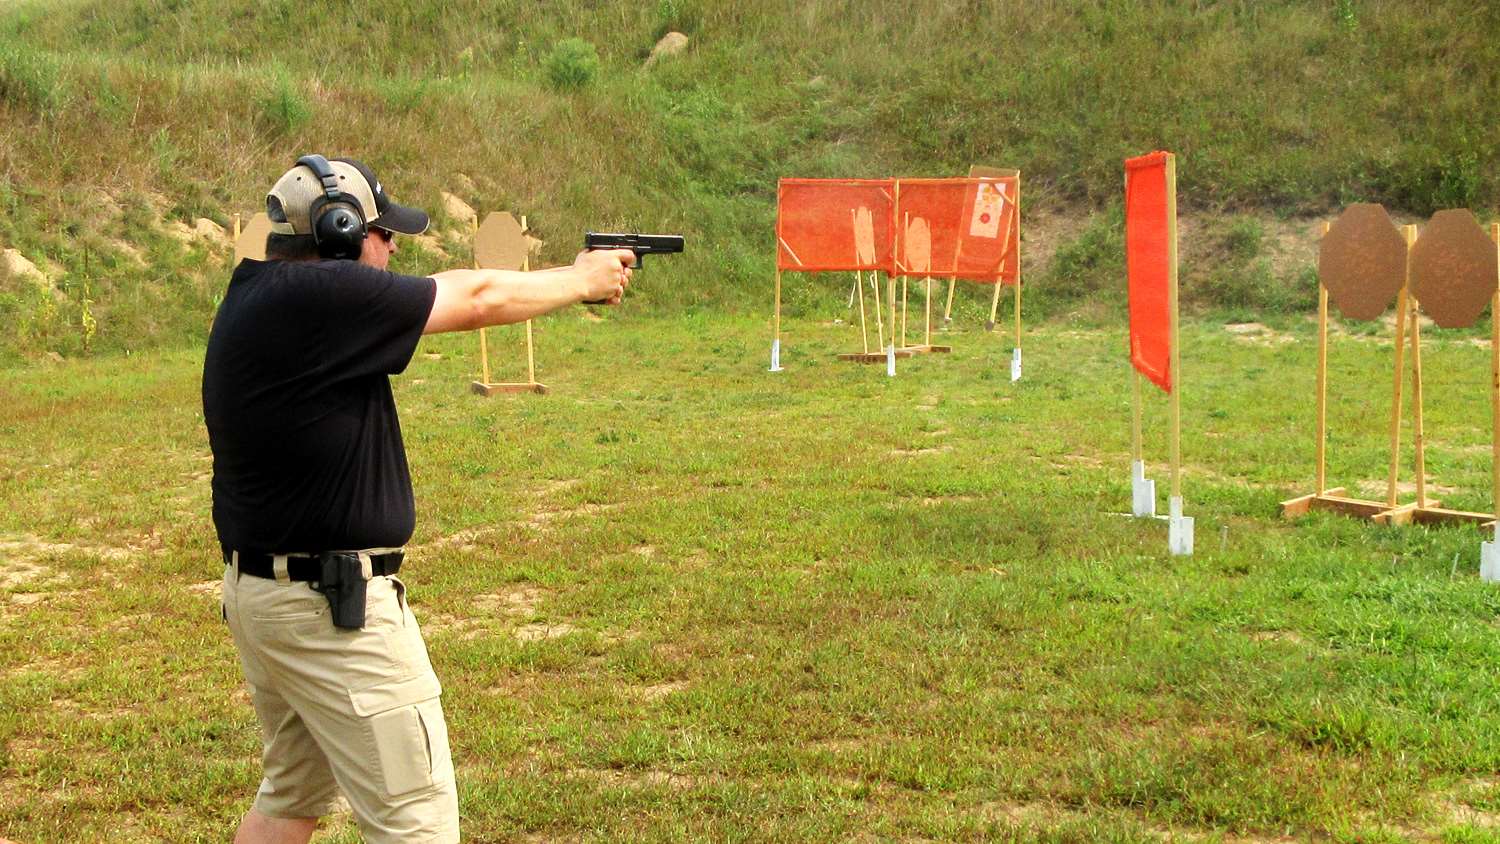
677	16
573	63
283	108
29	78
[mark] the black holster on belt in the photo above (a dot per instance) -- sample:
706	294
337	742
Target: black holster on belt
342	582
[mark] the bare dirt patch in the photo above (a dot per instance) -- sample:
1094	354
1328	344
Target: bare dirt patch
917	452
939	500
1404	489
1458	805
19	551
464	540
491	613
1089	460
522	599
542	518
541	630
651	778
1288	636
1254	332
15	573
553	487
661	690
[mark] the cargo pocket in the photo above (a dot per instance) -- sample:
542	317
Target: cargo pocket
404	721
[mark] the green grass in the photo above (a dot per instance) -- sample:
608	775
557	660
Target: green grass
681	598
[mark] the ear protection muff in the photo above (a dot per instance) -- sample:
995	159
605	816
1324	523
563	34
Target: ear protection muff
338	224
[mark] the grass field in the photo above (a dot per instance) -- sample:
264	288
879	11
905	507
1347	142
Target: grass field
681	598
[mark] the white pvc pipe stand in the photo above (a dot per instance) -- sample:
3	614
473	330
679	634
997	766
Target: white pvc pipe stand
1142	491
1015	364
1179	529
775	356
1489	558
890	360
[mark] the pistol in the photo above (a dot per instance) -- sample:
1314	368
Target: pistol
641	244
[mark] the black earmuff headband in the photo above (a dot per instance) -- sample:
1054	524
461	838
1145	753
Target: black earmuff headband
339	239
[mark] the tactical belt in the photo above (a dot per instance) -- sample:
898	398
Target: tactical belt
307	567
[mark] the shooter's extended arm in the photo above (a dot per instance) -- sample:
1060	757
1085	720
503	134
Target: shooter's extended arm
641	244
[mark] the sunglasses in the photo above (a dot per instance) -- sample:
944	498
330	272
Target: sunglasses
385	234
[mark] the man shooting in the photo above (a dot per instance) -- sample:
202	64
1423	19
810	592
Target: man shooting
312	497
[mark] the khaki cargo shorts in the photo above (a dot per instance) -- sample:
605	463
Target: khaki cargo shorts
356	711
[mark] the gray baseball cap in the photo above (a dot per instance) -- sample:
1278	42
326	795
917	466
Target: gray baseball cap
292	197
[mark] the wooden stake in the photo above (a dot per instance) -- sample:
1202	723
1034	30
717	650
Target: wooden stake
890	289
1495	381
905	229
1419	441
1410	234
958	252
928	333
484	345
995	302
1136	449
530	348
890	280
776	329
1322	478
1016	220
1018	305
903	309
879	313
236	227
1322	377
864	334
1176	339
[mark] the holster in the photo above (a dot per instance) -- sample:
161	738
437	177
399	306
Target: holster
342	581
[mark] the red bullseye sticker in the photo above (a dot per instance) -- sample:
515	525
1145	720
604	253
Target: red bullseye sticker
984	218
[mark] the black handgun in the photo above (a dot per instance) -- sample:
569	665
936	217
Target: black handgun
641	244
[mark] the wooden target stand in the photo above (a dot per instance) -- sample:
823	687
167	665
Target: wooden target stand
918	242
979	171
918	260
864	253
1455	272
501	244
1362	261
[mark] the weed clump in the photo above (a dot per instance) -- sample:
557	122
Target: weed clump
572	64
29	79
283	108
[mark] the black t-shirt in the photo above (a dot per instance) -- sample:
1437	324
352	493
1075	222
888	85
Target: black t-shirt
296	395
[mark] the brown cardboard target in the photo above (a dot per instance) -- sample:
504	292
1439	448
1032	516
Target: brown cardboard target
1453	269
500	243
1362	261
252	242
918	252
864	236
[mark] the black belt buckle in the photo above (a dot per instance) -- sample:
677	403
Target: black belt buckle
342	581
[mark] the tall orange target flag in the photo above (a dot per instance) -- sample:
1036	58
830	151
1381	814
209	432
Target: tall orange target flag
1149	262
1151	266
